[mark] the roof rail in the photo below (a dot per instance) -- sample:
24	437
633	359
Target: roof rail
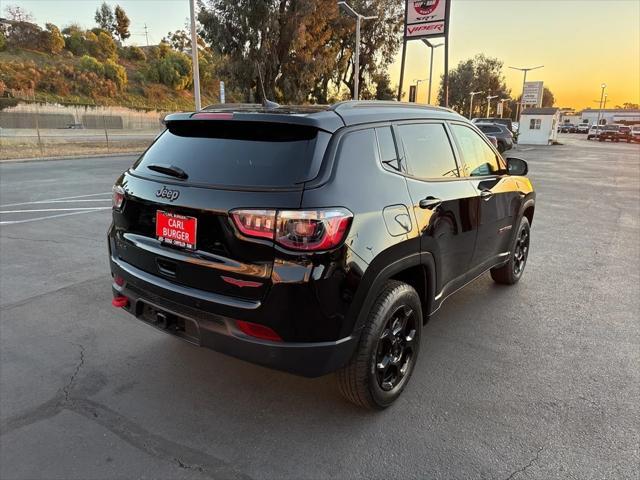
347	104
256	107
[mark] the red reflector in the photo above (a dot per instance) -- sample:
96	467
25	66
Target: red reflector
258	331
241	283
118	280
213	116
120	301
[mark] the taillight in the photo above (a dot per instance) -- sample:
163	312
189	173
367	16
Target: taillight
302	230
312	230
117	197
255	223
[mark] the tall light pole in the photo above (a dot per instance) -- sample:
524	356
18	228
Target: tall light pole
194	56
524	80
603	86
356	63
473	94
432	47
489	98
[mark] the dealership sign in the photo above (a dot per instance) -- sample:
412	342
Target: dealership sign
532	93
425	18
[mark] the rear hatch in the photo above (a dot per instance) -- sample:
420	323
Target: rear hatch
175	222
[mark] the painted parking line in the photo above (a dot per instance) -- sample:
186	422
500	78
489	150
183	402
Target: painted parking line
14	222
54	199
40	210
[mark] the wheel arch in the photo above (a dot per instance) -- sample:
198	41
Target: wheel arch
417	270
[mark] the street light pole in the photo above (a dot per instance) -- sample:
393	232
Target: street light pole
473	94
356	60
603	86
432	47
525	70
194	56
489	98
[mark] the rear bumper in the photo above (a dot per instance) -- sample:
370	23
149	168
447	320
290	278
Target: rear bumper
148	297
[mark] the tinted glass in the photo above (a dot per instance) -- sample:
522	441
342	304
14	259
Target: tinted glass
488	129
387	146
234	153
428	150
478	157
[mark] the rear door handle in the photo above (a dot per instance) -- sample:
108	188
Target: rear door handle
430	203
486	194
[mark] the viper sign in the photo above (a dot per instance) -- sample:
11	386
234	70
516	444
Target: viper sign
425	18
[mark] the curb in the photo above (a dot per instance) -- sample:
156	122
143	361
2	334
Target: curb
75	157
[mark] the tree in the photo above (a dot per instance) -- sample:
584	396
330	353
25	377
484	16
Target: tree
53	39
383	87
548	99
477	74
122	23
304	49
18	14
628	106
105	19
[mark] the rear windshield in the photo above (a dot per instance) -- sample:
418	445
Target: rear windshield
234	153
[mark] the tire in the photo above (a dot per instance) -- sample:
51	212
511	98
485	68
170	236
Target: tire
364	380
511	272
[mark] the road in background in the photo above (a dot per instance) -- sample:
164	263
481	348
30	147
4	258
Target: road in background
539	380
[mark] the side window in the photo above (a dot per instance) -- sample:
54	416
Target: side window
387	147
479	158
534	124
428	150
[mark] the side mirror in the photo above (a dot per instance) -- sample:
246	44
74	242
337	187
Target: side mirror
517	166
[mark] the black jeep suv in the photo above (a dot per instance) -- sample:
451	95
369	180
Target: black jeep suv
315	240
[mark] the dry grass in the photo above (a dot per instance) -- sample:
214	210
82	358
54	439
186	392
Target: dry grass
21	150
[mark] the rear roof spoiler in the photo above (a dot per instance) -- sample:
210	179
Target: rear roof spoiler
324	119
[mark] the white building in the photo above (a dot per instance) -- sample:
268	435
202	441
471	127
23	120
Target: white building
610	115
538	126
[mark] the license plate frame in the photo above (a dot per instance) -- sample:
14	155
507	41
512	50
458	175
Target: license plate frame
176	230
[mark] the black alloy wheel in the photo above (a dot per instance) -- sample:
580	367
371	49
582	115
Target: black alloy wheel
394	352
521	252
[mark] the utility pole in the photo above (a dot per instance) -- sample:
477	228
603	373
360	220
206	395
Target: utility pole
489	98
473	94
524	81
356	62
194	56
432	47
146	34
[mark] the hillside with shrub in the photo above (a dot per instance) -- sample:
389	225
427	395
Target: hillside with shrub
73	65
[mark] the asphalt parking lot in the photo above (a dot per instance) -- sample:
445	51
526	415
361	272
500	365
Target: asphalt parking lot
540	380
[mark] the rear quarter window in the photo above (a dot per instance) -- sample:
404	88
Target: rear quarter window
236	153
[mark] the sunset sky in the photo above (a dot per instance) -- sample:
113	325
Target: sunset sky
581	43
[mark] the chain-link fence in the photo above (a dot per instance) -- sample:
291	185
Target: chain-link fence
35	130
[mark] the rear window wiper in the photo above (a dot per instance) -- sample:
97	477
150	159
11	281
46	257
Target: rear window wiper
171	170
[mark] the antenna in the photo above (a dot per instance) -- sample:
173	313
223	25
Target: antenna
268	104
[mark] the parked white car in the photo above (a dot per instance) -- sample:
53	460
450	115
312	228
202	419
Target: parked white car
594	131
582	128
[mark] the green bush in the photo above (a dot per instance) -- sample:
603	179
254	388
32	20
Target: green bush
90	64
75	42
133	53
116	73
3	42
174	70
107	48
